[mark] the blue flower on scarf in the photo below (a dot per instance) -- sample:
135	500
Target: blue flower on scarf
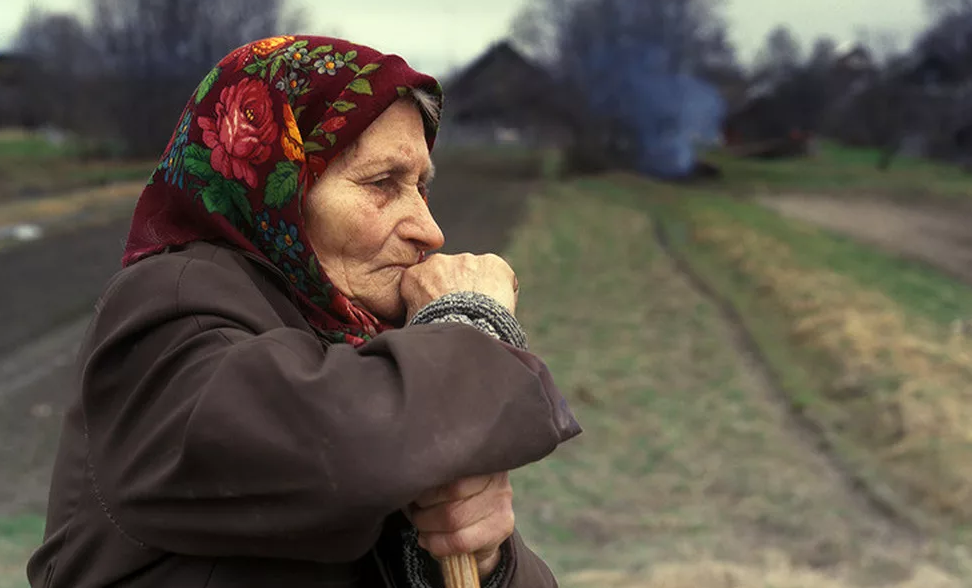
287	242
173	162
264	228
295	276
297	56
329	65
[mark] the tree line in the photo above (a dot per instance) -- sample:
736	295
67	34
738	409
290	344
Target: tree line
122	77
655	78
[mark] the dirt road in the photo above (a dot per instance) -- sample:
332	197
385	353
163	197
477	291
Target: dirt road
933	234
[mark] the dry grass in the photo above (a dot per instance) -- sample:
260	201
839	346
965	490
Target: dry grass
899	385
88	200
32	166
686	460
776	572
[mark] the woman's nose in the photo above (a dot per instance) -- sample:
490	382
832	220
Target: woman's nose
421	228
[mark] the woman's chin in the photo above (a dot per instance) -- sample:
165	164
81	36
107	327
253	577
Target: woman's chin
388	311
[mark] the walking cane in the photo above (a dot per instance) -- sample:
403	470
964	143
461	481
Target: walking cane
460	571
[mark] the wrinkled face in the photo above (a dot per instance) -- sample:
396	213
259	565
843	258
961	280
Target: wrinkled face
366	216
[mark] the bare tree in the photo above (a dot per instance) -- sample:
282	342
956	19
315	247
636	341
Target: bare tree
536	28
884	45
636	66
939	9
822	54
125	77
56	45
780	56
153	52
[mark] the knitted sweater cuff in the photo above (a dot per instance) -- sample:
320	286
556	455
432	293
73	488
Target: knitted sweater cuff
477	310
420	568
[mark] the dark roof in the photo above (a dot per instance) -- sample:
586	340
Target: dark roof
13	67
502	81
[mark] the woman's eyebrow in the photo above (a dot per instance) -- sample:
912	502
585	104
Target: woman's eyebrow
395	164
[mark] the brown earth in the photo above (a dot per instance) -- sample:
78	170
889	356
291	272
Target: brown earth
937	234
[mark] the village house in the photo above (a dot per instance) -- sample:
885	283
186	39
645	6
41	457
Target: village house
15	104
501	97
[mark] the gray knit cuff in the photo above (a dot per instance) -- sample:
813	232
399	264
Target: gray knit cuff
476	310
420	567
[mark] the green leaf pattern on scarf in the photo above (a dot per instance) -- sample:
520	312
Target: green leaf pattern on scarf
282	184
207	84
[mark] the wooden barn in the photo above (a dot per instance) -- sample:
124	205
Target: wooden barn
502	97
15	104
779	118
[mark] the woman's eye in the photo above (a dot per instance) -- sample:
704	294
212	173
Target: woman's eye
383	183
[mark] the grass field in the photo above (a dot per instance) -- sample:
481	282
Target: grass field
866	342
18	537
31	166
692	472
687	474
841	170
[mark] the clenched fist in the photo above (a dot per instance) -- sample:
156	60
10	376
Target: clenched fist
473	515
443	274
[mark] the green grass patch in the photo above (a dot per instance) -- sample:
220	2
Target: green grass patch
914	285
861	340
685	458
844	170
19	536
35	146
31	165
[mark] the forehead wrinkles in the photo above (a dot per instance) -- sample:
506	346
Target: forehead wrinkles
395	154
392	144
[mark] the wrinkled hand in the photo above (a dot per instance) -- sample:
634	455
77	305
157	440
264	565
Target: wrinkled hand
443	274
473	515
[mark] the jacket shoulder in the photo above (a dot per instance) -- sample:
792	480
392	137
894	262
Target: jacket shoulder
202	279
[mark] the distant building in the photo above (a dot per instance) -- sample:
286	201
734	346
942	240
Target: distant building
16	109
779	117
502	97
933	107
855	60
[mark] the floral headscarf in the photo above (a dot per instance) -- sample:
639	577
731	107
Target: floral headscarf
257	132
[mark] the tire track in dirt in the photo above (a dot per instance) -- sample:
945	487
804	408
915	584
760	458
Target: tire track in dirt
935	233
904	525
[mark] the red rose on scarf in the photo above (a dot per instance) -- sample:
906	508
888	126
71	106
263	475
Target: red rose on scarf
243	131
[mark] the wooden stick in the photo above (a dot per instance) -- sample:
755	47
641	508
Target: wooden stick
460	571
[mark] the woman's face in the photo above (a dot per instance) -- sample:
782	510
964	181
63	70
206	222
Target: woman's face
367	217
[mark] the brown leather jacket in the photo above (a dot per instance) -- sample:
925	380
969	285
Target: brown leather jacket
217	443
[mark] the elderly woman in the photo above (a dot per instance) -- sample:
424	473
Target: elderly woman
279	389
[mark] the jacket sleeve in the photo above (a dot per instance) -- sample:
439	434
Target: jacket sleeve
526	569
209	436
519	566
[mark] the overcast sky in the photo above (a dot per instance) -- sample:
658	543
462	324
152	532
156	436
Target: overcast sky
436	34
